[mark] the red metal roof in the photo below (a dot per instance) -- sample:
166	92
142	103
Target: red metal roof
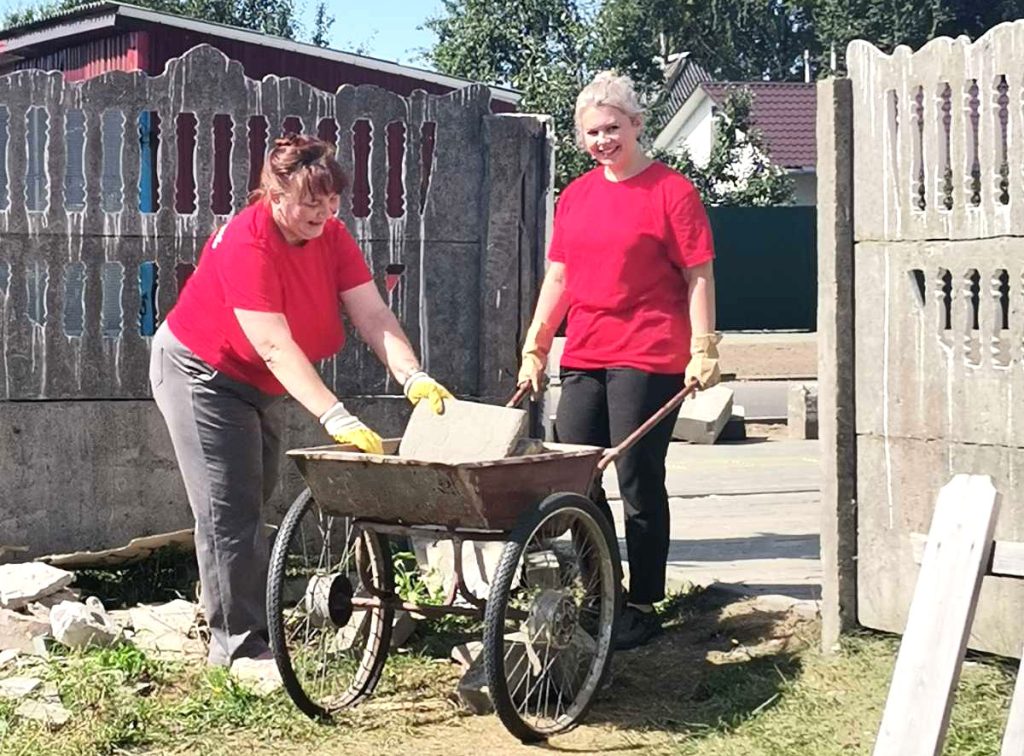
785	113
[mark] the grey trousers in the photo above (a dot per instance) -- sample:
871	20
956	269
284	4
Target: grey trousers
227	439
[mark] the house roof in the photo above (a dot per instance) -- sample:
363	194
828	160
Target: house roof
31	39
785	113
682	77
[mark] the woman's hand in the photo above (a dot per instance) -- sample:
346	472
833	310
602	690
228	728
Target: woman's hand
420	386
346	428
703	365
535	356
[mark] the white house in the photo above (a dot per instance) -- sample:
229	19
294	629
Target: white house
784	112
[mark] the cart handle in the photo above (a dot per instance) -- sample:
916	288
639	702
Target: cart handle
522	390
612	454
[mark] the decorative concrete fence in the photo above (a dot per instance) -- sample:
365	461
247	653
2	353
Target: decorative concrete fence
108	190
921	314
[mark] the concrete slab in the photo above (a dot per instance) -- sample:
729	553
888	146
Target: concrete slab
466	432
702	418
28	581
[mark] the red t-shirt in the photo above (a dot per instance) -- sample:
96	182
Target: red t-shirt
248	265
625	246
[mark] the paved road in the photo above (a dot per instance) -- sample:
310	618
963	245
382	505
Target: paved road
744	514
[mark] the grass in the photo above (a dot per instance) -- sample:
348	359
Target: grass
714	685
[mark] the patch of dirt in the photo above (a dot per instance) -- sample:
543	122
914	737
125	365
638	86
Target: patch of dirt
791	357
720	658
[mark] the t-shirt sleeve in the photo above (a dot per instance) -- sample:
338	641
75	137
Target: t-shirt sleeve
556	250
689	230
249	278
351	270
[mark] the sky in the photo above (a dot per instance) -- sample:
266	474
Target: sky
381	28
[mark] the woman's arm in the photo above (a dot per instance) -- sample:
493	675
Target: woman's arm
378	327
552	303
270	336
701	282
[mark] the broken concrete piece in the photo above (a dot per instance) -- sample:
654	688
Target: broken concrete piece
52	714
472	688
17	631
480	559
259	675
736	428
167	629
83	625
466	432
30	581
702	418
43	606
465	654
802	410
402	629
542	570
8	655
18	687
135	550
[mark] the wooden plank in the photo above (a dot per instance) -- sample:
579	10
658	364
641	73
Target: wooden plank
1007	556
1013	738
941	612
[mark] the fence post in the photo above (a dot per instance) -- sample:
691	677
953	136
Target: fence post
836	411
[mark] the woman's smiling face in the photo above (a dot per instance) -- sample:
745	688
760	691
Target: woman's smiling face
302	218
610	136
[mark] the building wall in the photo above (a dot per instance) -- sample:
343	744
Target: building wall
87	270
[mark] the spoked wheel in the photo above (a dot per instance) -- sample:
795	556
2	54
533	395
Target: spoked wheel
330	653
551	617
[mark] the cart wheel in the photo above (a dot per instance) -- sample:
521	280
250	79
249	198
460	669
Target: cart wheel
551	616
330	655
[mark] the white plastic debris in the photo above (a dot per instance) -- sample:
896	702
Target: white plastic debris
79	625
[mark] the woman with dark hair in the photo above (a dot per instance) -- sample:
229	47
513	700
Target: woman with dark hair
264	305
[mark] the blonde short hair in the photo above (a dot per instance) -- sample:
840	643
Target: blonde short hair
608	88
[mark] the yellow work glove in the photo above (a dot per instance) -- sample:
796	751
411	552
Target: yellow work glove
535	356
420	386
346	428
703	365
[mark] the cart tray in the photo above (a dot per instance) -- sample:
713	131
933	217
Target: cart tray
489	495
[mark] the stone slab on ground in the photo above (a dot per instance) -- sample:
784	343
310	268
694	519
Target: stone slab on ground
261	676
702	418
18	687
30	581
8	655
18	631
466	432
53	715
135	550
166	629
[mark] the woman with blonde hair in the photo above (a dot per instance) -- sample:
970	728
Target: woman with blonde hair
264	305
630	264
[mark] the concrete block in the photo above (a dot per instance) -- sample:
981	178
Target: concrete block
480	560
802	410
466	432
30	581
472	688
8	656
702	418
736	428
167	629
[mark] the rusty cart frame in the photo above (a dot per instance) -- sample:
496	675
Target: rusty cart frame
549	616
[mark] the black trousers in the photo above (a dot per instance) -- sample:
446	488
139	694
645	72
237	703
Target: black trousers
602	407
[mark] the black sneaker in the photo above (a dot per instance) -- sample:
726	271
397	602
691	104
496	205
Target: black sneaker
636	628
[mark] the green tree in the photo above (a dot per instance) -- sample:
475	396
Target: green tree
539	47
322	23
739	170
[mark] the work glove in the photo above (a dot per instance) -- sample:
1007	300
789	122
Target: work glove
346	428
703	365
535	356
420	386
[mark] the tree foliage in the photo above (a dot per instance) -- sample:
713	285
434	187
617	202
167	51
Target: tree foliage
548	49
322	23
